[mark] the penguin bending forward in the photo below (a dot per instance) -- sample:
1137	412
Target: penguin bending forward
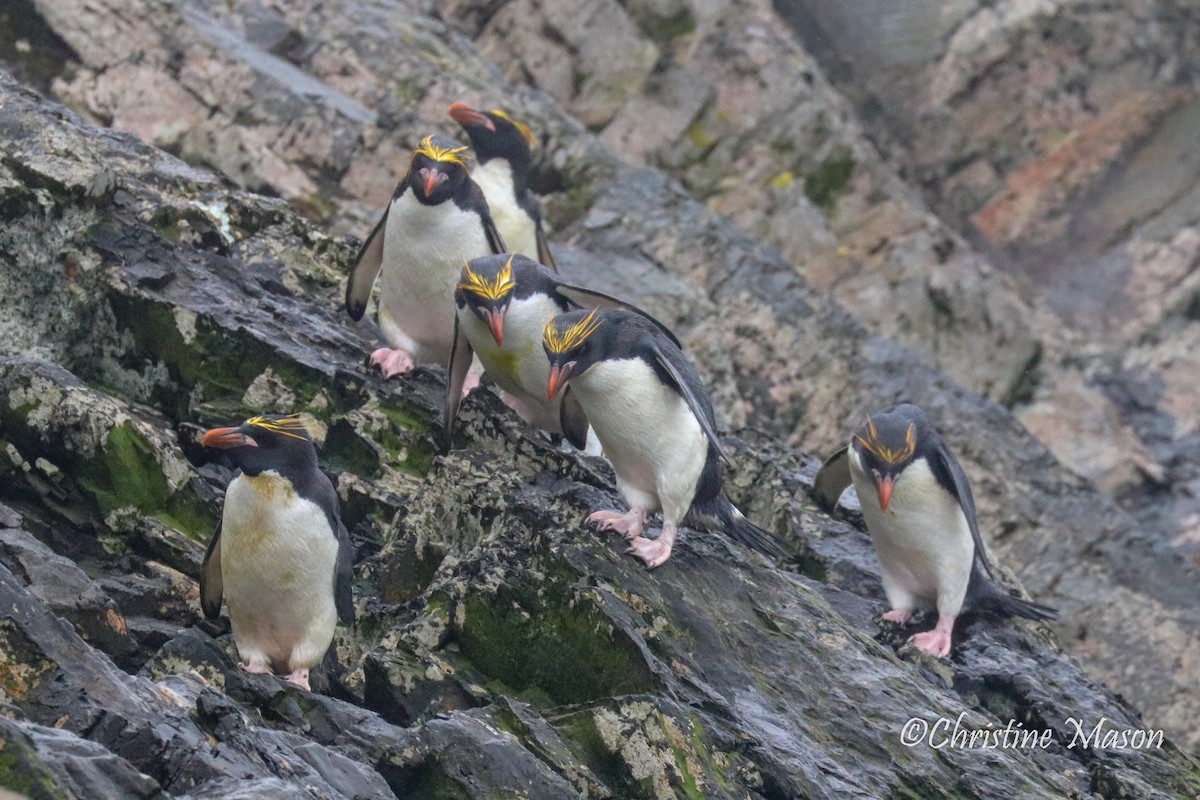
502	304
280	557
921	516
437	219
502	147
655	422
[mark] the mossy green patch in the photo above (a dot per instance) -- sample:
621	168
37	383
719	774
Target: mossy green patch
126	473
427	781
345	450
699	136
579	731
406	439
783	179
550	641
664	29
22	772
712	765
211	365
827	183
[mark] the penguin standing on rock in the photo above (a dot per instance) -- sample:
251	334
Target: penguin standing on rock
438	218
280	557
655	422
921	516
502	304
502	145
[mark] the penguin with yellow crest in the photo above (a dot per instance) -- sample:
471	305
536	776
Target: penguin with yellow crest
437	219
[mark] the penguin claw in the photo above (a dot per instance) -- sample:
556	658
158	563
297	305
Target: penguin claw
935	642
256	667
392	362
300	678
630	523
898	616
654	552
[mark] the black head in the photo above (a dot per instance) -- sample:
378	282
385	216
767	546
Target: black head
487	285
578	339
494	134
888	442
438	169
272	441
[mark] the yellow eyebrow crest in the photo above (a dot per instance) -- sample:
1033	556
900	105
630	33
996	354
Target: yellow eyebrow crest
490	289
521	127
452	155
572	337
284	426
872	444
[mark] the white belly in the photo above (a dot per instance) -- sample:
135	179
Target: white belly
278	558
923	539
424	251
520	368
516	227
647	431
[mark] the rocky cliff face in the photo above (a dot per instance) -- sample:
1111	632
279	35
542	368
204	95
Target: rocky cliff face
501	647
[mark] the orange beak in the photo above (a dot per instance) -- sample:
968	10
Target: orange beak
884	487
558	376
430	181
495	321
464	115
224	438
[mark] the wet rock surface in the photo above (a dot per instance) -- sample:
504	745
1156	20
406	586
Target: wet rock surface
501	649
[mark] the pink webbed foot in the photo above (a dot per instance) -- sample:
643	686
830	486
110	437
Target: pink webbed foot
257	667
898	616
300	678
654	552
937	641
470	382
392	362
630	524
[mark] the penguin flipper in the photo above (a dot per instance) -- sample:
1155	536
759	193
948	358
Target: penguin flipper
366	270
543	248
212	585
949	474
573	421
833	478
343	579
461	356
494	239
698	409
590	298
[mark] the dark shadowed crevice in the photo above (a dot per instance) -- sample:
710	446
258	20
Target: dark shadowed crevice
29	49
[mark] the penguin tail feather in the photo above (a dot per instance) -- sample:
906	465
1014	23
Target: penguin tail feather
997	600
745	532
1016	607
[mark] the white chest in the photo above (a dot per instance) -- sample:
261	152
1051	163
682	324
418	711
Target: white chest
520	366
516	227
923	538
646	428
424	250
278	553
